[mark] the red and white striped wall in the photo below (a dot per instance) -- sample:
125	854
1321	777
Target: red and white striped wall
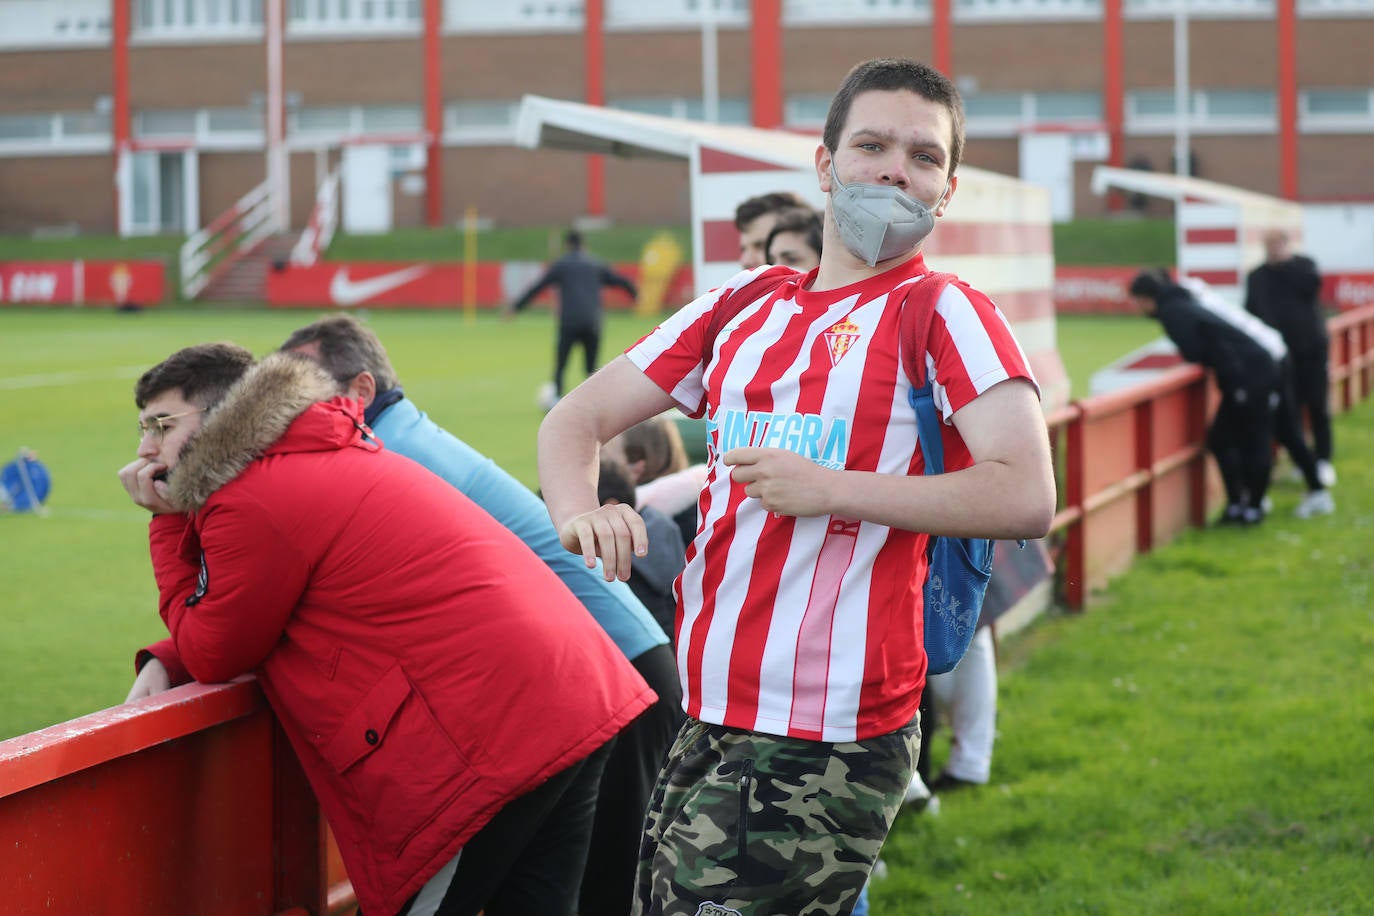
1219	229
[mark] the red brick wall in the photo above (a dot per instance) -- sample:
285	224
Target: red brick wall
56	192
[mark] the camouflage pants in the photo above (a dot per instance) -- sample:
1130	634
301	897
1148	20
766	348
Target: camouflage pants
751	824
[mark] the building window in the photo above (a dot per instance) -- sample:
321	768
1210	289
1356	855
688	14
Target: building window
1003	10
731	110
1218	111
26	127
315	17
854	12
385	119
40	23
481	121
1005	114
805	111
1335	8
208	20
166	123
1199	9
1336	110
513	16
630	15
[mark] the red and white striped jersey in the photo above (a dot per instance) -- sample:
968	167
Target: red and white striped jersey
812	627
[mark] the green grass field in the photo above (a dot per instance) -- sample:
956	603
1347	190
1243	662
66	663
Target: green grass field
1198	743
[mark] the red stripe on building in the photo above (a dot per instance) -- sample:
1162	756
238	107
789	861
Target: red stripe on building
714	160
1287	66
1225	235
434	116
119	57
940	39
765	63
1113	87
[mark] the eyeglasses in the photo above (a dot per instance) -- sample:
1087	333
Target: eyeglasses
157	425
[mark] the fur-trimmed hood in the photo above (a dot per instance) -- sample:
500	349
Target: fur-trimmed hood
252	418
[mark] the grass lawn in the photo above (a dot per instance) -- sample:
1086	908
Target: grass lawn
1197	743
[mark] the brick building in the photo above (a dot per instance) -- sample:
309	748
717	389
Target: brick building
149	115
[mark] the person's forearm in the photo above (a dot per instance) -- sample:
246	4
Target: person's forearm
568	461
991	499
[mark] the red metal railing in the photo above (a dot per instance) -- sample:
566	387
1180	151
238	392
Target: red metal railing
207	253
1147	443
189	802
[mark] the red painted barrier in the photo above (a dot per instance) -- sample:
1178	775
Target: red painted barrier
434	285
82	282
1133	466
190	802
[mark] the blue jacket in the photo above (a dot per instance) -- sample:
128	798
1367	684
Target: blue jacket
404	429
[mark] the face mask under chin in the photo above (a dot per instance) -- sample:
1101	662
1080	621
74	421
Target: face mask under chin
878	222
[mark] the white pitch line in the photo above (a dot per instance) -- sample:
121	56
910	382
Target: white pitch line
54	379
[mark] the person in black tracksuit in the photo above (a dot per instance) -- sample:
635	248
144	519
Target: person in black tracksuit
579	278
1242	431
1283	293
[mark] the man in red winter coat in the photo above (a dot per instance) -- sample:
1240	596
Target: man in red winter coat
444	691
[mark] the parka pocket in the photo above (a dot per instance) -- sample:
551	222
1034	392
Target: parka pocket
402	766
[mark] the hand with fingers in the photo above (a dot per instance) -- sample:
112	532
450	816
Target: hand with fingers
783	481
152	679
614	532
145	481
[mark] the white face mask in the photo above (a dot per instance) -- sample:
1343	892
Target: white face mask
877	222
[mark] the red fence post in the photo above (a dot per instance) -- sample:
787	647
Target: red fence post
1074	546
1144	462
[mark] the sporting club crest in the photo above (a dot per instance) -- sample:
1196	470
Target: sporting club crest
840	338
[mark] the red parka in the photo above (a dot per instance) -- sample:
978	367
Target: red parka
426	666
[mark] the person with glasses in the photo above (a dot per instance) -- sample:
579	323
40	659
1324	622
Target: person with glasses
444	691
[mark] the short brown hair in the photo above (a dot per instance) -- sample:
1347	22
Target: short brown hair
203	374
657	442
347	347
772	202
804	221
891	74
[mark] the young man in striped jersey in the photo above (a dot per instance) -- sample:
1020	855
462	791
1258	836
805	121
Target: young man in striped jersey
799	612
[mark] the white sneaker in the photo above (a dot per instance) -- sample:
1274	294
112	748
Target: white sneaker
916	793
1317	502
1326	473
919	797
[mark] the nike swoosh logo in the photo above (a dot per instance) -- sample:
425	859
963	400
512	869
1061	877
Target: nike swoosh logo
345	292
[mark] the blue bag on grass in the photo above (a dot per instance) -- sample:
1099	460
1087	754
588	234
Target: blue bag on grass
24	483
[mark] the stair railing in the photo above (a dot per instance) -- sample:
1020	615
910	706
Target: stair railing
207	253
324	219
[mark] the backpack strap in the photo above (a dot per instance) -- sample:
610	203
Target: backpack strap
740	299
918	310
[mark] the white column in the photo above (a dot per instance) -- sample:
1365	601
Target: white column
278	172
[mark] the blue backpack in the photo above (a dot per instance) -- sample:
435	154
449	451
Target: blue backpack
959	568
